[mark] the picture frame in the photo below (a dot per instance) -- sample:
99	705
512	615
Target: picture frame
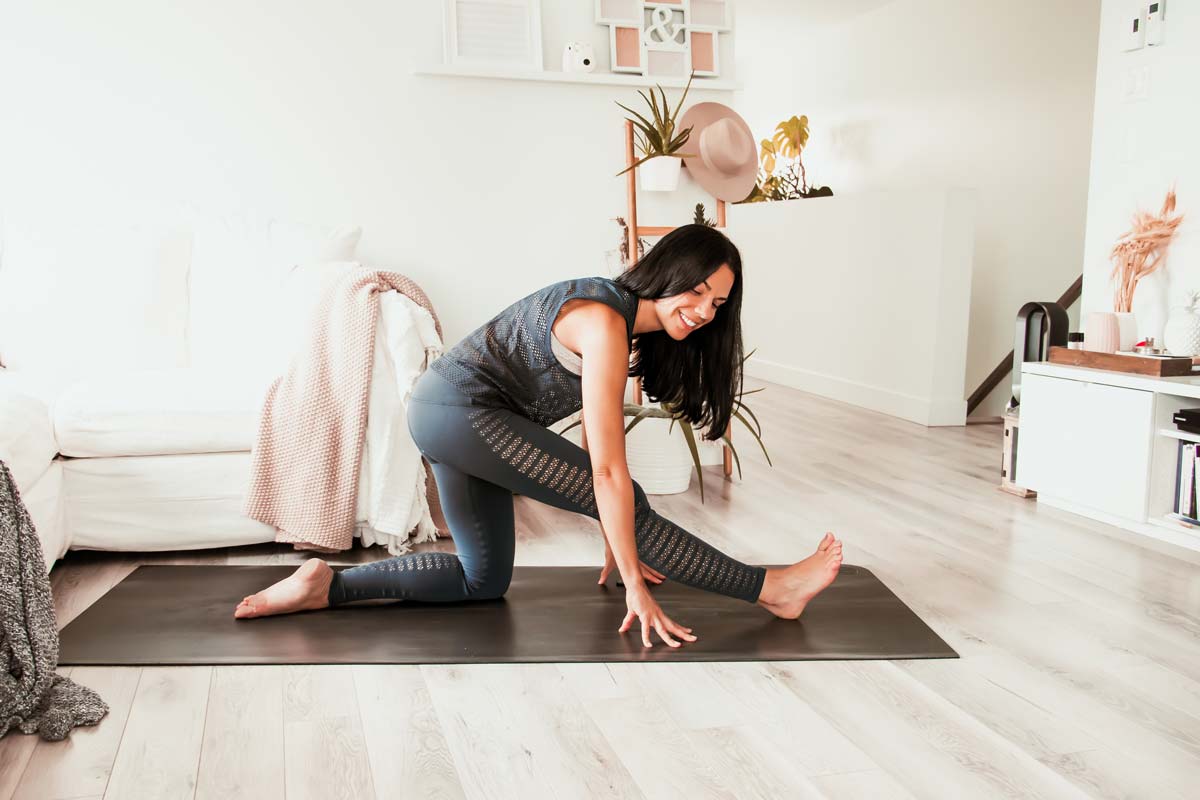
493	34
665	38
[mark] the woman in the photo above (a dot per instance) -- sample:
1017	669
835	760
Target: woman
479	416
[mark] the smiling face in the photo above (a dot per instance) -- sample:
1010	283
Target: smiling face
699	305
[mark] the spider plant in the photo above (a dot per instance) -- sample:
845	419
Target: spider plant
658	137
664	411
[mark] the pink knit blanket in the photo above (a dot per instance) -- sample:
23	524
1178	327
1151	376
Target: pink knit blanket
304	466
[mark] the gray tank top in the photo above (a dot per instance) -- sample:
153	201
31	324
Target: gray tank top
510	360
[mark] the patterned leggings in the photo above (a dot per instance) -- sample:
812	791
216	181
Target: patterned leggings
480	456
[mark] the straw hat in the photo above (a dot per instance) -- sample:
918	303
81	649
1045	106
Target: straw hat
727	164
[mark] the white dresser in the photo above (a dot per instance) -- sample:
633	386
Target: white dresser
1102	444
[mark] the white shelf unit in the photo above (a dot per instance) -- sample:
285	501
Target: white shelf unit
597	78
1103	444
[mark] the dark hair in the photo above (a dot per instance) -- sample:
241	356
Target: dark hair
701	375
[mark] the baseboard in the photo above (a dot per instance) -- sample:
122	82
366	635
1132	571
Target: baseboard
926	411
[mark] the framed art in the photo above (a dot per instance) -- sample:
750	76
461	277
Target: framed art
494	33
665	38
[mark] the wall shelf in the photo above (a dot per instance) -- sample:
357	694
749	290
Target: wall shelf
598	78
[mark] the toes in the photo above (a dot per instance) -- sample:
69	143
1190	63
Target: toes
826	541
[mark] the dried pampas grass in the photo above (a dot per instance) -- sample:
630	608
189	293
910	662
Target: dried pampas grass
1141	250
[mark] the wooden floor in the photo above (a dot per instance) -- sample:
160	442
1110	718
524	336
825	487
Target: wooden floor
1079	676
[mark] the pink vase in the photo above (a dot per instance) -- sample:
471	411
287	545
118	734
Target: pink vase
1102	332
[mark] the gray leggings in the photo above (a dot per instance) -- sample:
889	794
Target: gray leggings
481	455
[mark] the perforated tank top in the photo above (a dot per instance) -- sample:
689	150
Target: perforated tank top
510	360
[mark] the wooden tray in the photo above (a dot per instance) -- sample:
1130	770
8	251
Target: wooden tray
1172	367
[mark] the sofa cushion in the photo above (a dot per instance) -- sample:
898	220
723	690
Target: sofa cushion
239	264
159	412
26	437
82	297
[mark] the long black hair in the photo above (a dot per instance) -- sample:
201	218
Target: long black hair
701	375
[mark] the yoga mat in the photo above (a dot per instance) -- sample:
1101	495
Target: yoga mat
164	614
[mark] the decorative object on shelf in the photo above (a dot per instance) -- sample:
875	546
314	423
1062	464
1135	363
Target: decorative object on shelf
1147	347
781	173
1140	252
1101	332
1182	333
660	141
578	57
665	39
698	217
664	411
493	33
1128	329
727	160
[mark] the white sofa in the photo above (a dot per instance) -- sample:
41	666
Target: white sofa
135	361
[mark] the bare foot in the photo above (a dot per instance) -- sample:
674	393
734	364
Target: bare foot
787	591
306	588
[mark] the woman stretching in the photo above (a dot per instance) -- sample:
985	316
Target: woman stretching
479	416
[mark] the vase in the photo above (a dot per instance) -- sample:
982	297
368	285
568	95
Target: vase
1127	325
1149	305
660	462
1102	332
1181	335
659	174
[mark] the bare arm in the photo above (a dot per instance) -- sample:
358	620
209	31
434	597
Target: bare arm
605	371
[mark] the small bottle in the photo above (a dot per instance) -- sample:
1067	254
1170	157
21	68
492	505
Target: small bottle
1075	340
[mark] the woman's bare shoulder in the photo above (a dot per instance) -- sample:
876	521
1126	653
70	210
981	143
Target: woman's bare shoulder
590	325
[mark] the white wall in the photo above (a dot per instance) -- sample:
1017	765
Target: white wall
484	190
927	93
1140	147
877	321
481	190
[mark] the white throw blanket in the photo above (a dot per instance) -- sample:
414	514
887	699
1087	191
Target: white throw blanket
326	428
391	486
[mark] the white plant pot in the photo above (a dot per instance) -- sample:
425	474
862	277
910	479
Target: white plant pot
660	462
659	174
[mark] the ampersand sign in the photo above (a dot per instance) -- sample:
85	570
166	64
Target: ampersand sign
659	18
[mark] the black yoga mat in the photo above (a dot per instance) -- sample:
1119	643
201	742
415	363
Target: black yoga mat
184	615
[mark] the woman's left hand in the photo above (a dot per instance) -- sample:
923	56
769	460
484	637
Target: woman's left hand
610	563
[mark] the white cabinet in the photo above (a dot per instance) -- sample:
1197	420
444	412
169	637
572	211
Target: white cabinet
1086	443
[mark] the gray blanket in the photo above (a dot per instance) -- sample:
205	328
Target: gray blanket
33	698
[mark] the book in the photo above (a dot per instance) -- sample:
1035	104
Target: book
1186	501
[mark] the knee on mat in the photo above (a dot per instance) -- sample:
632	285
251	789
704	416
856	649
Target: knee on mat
491	587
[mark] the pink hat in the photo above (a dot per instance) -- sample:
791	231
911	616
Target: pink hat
727	164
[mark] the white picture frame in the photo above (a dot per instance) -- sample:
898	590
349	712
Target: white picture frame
710	21
498	34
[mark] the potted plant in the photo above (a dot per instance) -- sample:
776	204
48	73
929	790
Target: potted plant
659	142
671	473
781	174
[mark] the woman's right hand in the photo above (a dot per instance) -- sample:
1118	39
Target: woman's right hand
644	607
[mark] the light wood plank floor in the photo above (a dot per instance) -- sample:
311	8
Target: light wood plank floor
1079	676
